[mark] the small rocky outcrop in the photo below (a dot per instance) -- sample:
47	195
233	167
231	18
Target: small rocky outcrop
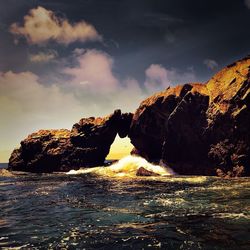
86	145
144	172
199	128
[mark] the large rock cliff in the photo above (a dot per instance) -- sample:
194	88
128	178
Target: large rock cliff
199	128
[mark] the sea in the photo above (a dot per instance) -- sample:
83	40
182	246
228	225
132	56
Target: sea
113	208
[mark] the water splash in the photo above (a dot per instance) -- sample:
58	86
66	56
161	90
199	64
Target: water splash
6	173
125	167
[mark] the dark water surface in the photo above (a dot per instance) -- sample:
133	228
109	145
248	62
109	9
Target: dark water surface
3	165
74	212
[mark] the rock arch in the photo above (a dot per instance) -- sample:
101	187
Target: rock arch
119	148
86	145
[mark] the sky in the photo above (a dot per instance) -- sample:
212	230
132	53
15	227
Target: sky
64	60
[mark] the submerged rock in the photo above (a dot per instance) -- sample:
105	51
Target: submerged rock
199	128
86	145
144	172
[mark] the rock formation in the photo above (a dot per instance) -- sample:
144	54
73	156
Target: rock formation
144	172
199	128
87	144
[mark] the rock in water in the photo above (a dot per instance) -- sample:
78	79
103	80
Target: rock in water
144	172
86	145
199	128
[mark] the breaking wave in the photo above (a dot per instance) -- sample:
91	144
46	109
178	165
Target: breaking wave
125	167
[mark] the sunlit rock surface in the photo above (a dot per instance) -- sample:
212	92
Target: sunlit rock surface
195	129
199	128
144	172
86	145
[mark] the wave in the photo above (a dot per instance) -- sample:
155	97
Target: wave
125	167
234	216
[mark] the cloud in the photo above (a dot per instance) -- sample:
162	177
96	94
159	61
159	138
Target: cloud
247	3
211	64
93	71
43	57
159	78
26	105
156	78
42	25
93	81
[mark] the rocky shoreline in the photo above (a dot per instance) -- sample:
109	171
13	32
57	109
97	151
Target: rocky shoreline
86	145
195	128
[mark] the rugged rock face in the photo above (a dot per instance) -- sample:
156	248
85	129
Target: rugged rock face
199	128
194	129
42	151
87	144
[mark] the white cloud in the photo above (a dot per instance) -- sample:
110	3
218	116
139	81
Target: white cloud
93	81
43	57
247	3
94	71
98	88
42	25
211	64
26	105
158	78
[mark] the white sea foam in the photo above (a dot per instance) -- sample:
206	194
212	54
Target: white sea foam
234	216
125	167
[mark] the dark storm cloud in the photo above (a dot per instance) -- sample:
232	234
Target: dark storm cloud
174	33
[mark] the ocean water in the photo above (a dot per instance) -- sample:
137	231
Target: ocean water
114	209
3	165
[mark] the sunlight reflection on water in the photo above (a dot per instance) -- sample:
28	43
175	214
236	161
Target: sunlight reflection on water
86	211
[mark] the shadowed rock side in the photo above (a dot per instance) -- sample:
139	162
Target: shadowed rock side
86	145
199	128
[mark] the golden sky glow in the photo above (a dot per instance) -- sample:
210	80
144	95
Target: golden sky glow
120	148
5	155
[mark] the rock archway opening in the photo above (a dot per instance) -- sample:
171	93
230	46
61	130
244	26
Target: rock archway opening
120	148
